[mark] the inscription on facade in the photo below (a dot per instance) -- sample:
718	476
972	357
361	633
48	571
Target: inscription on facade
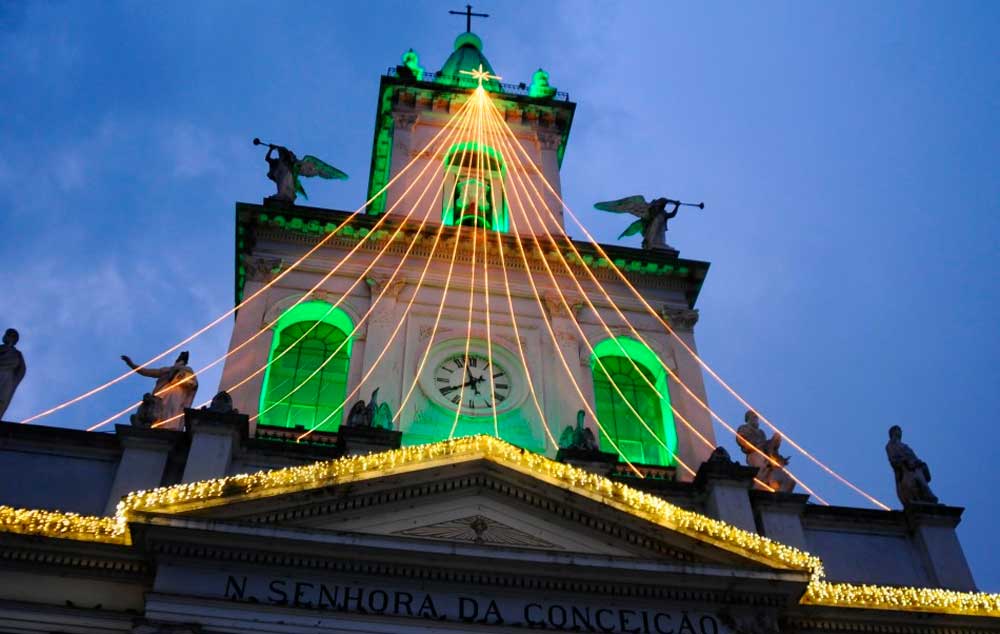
479	609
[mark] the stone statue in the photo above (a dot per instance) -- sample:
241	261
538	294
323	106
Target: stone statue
148	410
653	217
175	389
12	368
579	437
411	68
285	169
912	473
371	414
750	437
222	403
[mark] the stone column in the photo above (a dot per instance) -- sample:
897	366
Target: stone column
214	438
726	485
143	459
779	516
933	527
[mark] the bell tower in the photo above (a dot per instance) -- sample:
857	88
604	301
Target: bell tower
414	104
457	294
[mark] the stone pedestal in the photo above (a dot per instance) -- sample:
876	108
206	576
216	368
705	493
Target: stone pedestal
214	438
779	516
144	457
933	527
596	461
726	486
358	441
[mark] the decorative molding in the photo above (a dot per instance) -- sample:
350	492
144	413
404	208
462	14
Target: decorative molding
261	269
478	529
680	318
549	140
377	284
402	120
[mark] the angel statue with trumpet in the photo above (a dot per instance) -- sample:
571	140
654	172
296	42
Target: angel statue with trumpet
285	169
653	217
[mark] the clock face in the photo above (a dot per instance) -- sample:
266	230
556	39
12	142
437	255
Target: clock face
472	382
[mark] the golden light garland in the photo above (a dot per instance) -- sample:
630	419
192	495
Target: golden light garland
85	528
209	493
659	318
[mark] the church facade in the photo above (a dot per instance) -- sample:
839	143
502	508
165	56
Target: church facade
457	302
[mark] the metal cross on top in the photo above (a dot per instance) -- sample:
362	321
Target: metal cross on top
468	16
480	74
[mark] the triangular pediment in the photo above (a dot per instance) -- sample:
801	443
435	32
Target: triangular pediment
477	492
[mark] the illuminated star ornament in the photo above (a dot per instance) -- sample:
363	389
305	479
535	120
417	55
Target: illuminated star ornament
480	74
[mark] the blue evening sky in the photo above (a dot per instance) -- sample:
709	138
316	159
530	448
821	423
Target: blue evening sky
846	153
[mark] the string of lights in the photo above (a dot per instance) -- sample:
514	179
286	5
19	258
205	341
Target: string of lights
460	119
472	284
440	309
680	340
597	313
371	308
329	236
486	296
641	505
515	175
402	317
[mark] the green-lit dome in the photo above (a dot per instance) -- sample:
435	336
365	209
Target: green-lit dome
467	56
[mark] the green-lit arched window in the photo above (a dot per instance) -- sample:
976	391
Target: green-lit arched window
632	367
305	337
474	192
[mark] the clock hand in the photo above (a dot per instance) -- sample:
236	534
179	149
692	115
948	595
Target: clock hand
473	381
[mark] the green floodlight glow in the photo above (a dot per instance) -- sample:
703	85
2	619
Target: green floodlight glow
469	155
540	87
627	431
465	162
324	393
412	61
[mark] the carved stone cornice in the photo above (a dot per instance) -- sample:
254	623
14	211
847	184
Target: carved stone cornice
680	318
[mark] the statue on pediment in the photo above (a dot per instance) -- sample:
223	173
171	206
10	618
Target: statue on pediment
372	414
912	474
12	368
653	217
762	452
284	168
174	391
580	437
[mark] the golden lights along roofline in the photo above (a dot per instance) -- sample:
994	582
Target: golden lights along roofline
209	493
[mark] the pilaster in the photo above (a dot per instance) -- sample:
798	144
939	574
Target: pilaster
933	527
779	516
726	485
214	438
144	457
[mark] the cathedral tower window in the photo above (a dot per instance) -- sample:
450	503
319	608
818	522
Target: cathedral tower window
474	193
633	367
305	337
